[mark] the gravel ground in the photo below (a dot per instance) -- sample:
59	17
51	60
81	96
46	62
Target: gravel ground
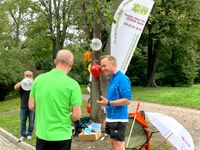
189	118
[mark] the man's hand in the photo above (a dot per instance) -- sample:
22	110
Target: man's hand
103	101
31	103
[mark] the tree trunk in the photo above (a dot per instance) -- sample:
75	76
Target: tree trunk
54	51
99	85
96	109
95	84
151	64
56	28
173	82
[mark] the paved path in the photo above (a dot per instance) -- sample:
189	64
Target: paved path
10	142
5	144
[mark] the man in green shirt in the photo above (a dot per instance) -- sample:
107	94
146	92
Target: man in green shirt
56	99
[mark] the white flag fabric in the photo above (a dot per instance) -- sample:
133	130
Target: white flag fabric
130	17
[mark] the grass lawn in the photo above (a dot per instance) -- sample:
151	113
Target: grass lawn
9	117
179	96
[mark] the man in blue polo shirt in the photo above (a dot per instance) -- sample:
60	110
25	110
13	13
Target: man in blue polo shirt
119	95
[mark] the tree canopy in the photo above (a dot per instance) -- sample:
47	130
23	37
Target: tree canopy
31	32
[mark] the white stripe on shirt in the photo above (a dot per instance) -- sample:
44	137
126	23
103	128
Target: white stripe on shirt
116	120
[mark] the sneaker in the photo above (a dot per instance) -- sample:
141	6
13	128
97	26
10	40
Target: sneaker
29	137
21	139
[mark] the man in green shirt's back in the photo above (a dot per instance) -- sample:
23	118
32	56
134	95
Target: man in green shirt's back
56	99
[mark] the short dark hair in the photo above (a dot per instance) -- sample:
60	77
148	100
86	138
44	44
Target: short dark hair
111	58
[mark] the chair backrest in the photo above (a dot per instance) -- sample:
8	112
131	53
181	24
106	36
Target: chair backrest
138	136
140	117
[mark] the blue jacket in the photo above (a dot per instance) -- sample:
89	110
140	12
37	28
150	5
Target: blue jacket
119	87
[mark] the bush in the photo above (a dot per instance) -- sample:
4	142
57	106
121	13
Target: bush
12	65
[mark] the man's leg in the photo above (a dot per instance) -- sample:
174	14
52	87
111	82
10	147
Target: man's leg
31	116
117	145
41	144
53	145
23	118
63	145
116	130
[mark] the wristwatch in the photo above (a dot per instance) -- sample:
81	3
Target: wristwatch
108	103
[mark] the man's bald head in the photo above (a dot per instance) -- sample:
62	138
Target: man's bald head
64	57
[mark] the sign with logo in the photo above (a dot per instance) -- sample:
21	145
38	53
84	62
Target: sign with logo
130	17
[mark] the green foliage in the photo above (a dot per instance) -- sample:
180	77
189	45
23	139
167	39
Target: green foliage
79	70
173	29
137	68
19	16
93	13
177	67
197	80
4	23
13	63
40	44
173	25
5	35
14	54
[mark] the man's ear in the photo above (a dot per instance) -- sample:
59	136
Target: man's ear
55	62
70	65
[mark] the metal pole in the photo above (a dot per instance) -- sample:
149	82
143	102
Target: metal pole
137	109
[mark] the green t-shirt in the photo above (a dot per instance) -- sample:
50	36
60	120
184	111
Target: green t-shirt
55	94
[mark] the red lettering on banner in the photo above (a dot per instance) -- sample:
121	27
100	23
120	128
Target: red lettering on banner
134	22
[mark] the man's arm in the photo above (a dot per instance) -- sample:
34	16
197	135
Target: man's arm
17	86
119	102
31	104
76	113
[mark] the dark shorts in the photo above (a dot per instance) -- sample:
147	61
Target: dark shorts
53	145
116	130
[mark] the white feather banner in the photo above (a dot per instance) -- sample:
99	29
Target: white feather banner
130	17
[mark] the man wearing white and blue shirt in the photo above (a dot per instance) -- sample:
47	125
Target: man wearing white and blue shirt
119	95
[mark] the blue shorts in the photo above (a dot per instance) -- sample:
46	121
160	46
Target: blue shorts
116	130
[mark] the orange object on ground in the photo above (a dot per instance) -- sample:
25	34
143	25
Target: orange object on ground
139	118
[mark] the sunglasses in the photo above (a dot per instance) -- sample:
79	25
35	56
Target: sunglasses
28	75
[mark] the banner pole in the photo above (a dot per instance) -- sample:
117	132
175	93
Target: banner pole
137	109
